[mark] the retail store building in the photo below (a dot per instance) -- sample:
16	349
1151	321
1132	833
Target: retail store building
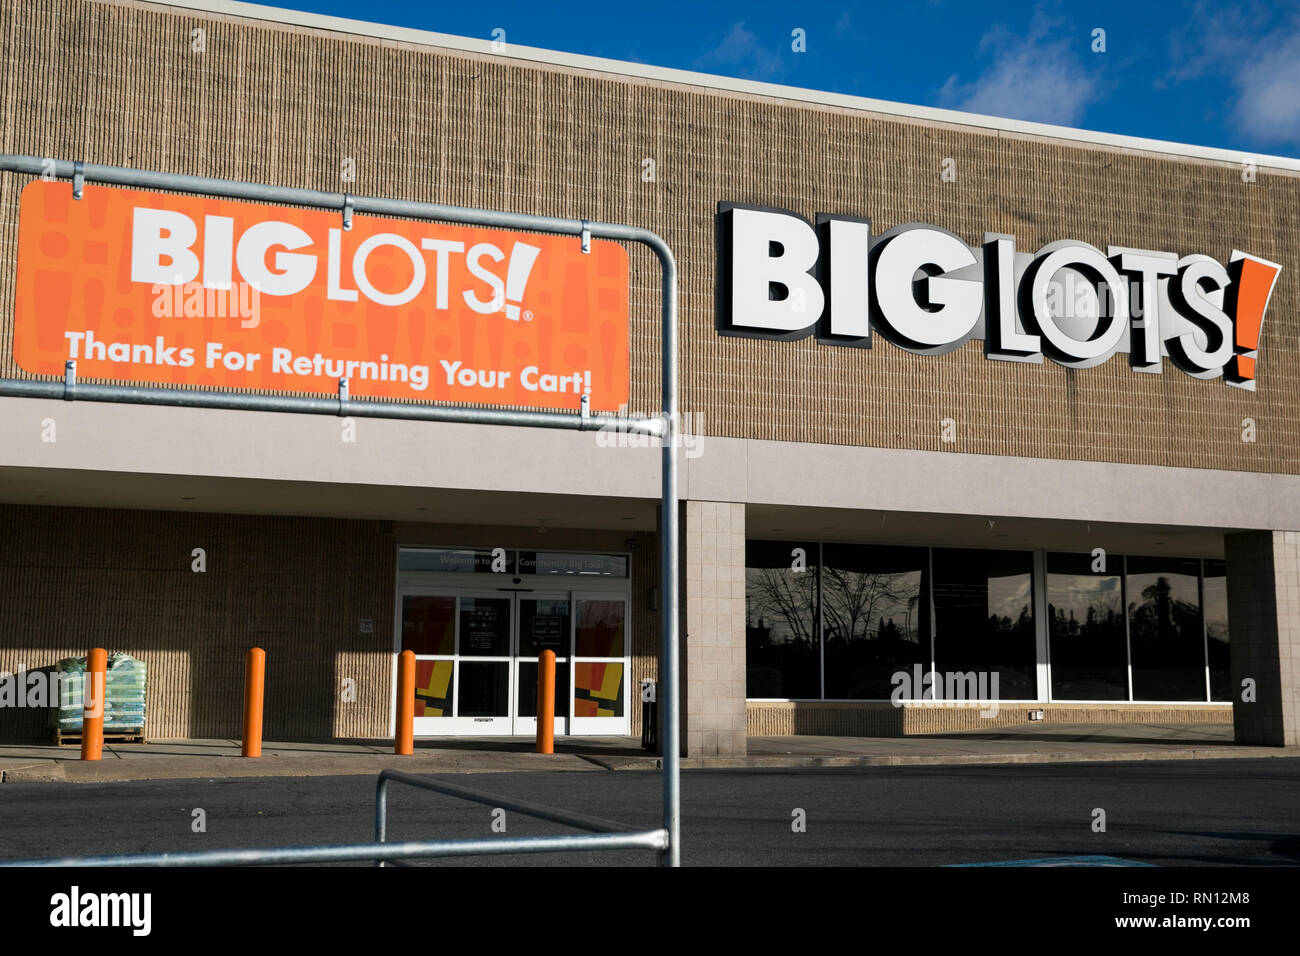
910	448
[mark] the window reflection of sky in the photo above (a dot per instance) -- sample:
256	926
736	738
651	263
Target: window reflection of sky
1076	593
1008	595
1216	607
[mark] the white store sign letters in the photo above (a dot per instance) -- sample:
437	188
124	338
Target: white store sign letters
926	291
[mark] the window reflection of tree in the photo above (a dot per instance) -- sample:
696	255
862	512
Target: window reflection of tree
873	628
782	652
856	604
1166	643
1161	616
783	600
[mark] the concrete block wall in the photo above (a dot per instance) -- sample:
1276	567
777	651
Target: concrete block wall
713	629
1264	611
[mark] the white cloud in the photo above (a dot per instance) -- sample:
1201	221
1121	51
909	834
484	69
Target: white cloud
1268	109
1036	77
741	53
1260	61
1207	41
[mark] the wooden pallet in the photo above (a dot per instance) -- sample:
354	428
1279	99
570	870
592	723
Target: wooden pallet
70	737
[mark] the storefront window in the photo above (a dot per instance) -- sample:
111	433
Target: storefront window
984	618
783	656
1165	637
1215	591
839	621
1085	605
876	617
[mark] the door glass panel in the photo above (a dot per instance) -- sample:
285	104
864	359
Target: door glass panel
429	624
543	626
484	689
484	628
528	690
433	688
598	689
599	628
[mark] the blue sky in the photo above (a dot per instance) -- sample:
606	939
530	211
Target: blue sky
1223	75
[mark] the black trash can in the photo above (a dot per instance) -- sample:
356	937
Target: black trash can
649	715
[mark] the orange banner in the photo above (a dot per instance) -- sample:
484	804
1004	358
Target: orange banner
154	287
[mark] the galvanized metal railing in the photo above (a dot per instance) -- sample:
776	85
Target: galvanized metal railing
664	428
601	835
625	839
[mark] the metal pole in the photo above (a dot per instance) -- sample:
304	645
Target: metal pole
357	408
668	559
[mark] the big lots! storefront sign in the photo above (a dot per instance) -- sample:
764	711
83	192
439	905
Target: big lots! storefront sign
927	291
154	287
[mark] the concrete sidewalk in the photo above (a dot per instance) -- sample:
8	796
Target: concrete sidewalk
1038	743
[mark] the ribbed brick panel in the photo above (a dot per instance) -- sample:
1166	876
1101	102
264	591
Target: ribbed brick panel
73	578
118	83
880	719
823	719
645	621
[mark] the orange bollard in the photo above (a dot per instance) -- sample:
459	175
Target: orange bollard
546	703
254	686
404	739
92	704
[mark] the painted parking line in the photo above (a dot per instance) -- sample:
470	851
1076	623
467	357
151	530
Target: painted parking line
1062	861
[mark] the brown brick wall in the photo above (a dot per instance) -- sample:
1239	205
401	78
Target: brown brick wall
117	83
876	719
73	578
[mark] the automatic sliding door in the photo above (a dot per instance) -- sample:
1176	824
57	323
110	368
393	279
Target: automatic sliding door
544	624
476	660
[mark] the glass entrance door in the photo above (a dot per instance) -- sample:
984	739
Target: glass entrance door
476	658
